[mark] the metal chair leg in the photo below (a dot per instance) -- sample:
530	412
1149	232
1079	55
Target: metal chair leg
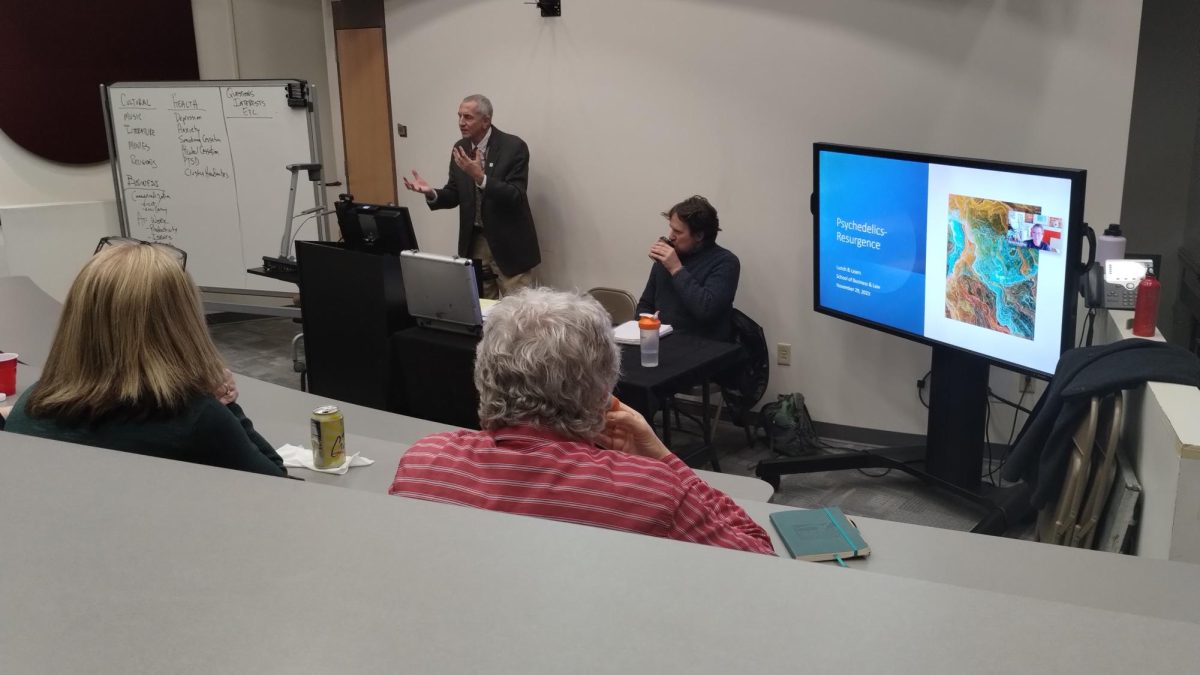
708	428
299	365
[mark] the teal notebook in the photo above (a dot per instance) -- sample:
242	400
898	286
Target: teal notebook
819	534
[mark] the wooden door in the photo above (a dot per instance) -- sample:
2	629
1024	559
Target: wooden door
366	114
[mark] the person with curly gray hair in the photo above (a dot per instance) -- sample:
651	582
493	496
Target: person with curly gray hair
556	444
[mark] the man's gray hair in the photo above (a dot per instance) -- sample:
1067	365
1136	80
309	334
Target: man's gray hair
547	358
482	104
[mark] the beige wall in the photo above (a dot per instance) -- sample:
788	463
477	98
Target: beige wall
630	105
234	38
26	178
286	38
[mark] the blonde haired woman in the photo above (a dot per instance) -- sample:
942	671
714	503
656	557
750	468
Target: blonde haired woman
132	368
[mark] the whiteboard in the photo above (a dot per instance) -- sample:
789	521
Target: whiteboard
201	166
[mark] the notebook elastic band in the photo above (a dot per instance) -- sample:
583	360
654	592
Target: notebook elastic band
849	541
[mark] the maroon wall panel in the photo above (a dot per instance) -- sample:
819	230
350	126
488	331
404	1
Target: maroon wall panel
55	54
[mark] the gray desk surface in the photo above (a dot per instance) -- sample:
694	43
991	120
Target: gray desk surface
1090	578
1157	588
282	416
1142	586
115	563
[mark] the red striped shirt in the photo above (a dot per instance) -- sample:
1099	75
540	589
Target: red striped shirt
533	471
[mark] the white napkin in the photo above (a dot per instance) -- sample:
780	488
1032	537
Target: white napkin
297	456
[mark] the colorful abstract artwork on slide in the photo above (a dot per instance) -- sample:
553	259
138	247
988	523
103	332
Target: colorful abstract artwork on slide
990	282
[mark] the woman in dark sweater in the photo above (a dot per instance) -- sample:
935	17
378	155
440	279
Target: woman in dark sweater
133	368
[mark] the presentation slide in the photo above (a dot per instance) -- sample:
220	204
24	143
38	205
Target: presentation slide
872	237
969	257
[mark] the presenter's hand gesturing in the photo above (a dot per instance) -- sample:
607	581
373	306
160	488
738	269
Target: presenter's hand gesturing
417	184
625	430
470	162
663	253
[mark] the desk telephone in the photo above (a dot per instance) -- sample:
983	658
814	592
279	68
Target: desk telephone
1114	285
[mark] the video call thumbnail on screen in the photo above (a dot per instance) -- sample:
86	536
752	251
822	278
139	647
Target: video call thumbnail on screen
973	258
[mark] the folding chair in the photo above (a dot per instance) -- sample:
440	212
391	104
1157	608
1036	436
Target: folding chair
619	304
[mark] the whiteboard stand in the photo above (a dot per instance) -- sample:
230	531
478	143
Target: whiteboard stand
285	262
314	175
203	166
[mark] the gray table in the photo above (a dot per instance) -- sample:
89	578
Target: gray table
116	563
281	414
1087	578
1157	588
1090	578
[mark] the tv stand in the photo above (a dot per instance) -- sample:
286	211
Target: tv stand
953	454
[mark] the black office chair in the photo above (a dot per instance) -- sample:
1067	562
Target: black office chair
740	388
743	387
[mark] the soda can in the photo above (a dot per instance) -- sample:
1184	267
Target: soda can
328	437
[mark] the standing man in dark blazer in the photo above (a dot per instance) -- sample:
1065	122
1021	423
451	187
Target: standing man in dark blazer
489	175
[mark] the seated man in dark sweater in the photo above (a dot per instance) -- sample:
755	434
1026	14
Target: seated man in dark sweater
693	280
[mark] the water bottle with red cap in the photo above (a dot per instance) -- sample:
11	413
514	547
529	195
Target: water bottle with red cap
1145	308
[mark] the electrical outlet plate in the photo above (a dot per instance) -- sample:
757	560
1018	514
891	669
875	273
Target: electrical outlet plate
783	353
1026	384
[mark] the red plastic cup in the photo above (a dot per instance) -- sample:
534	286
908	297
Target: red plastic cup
8	373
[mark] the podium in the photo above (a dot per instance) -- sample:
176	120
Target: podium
352	304
436	371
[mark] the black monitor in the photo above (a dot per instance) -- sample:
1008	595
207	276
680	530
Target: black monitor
979	259
375	229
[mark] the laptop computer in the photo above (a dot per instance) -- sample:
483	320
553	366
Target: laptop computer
441	292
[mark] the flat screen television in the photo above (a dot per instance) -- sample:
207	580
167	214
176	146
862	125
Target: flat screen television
977	258
976	255
375	229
